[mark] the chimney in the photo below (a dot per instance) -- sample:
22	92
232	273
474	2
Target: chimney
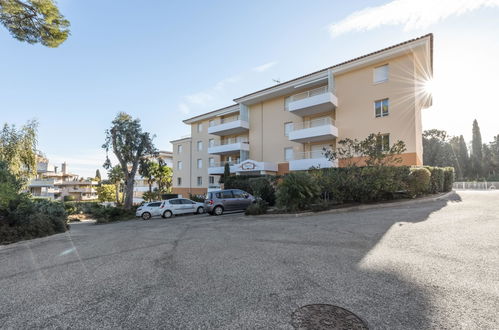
55	169
64	168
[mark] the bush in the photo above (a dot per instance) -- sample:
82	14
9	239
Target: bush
257	208
197	198
436	179
297	191
361	184
69	198
419	181
29	218
448	178
263	188
107	214
239	182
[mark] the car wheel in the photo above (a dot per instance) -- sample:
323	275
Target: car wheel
167	214
218	210
146	215
200	210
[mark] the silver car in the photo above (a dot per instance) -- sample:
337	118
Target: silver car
169	208
217	202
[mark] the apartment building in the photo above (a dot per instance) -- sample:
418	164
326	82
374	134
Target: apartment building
51	183
285	127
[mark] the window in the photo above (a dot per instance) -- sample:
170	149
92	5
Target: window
211	143
179	148
179	165
288	154
381	108
212	123
200	181
186	201
200	145
384	142
287	100
239	194
381	74
212	179
175	201
179	181
288	127
227	194
212	162
200	163
200	127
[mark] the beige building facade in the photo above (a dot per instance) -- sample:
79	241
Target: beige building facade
286	127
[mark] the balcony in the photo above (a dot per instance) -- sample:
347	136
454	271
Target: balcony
316	130
41	183
218	168
312	102
305	160
229	128
228	147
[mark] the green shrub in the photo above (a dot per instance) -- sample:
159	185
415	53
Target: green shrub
69	198
263	188
106	214
419	181
31	218
197	198
257	208
361	184
239	182
436	179
448	178
323	205
297	191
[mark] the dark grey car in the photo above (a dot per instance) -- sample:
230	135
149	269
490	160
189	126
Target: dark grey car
217	202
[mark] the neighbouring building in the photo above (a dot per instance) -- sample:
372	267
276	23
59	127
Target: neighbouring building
141	185
54	184
285	127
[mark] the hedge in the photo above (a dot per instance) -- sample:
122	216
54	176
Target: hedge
449	177
419	181
436	179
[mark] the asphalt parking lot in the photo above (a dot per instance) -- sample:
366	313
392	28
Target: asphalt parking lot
432	265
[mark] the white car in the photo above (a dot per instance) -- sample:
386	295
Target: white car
169	208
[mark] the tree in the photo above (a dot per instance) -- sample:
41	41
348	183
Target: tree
149	169
18	149
106	193
115	176
97	176
129	143
494	150
226	175
437	151
34	21
374	150
164	178
476	151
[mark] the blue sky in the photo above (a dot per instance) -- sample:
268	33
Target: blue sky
164	61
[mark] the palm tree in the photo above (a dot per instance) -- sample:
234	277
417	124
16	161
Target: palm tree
115	176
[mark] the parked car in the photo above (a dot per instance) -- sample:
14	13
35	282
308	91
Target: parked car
217	202
169	208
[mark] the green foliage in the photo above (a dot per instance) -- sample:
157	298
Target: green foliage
26	218
18	149
98	176
436	179
115	176
239	182
361	184
263	187
448	178
373	151
34	21
297	191
106	214
106	192
9	186
197	198
257	208
151	195
130	144
419	181
69	198
226	175
476	151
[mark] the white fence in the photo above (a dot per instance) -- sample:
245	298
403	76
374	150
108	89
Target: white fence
483	185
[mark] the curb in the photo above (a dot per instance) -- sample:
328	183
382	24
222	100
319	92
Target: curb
361	207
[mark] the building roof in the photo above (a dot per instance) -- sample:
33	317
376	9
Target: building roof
325	70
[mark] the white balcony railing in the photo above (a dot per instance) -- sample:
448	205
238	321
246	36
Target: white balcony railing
231	127
228	147
306	160
313	101
219	167
316	130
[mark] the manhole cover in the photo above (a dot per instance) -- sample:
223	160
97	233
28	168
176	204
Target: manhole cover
321	316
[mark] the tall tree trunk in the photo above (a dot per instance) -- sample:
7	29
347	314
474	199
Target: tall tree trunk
129	192
117	190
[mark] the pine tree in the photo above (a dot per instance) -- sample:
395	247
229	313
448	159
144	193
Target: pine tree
463	157
97	175
476	149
